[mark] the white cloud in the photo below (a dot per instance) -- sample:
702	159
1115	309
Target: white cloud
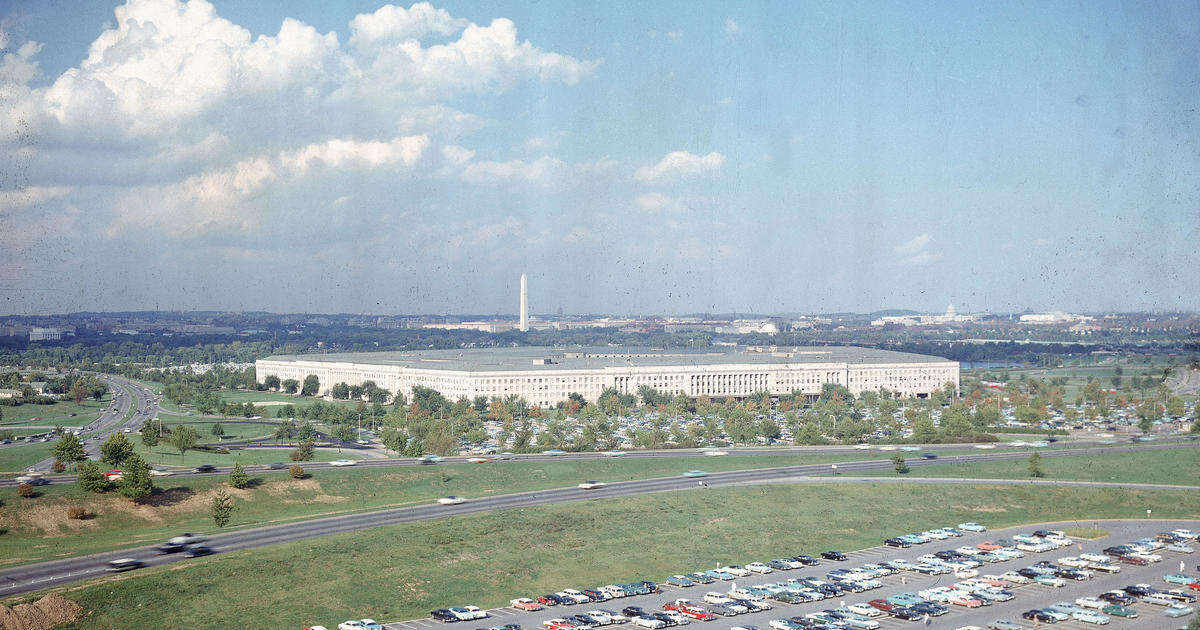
915	251
340	153
680	165
731	27
391	24
658	202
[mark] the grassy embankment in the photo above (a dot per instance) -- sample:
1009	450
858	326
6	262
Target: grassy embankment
403	571
58	413
1175	466
39	530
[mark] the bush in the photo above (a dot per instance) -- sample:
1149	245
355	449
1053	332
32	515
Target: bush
26	490
79	513
296	471
58	467
238	477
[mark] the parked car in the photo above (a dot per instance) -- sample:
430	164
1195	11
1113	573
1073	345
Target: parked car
834	555
526	604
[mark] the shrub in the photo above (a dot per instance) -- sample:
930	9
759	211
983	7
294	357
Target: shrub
58	467
296	471
238	477
79	513
26	490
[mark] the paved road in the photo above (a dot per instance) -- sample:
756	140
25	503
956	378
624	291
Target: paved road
1027	596
126	395
40	575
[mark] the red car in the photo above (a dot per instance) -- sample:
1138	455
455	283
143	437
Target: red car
526	604
987	546
113	475
881	604
1141	562
696	612
1195	586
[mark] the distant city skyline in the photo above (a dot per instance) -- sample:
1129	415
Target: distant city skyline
630	158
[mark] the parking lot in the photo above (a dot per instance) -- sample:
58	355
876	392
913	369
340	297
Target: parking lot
1027	596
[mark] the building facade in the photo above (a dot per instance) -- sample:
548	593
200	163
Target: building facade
547	376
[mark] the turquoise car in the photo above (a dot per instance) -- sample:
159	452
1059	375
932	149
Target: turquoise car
1178	578
1118	610
904	599
1178	610
695	473
718	574
1088	616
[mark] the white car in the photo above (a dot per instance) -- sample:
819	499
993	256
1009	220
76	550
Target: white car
342	462
467	613
1014	577
353	624
644	622
1071	561
1093	557
865	610
1091	602
971	527
601	617
187	539
450	500
735	570
715	453
591	485
1148	557
576	595
714	597
1186	533
156	472
759	567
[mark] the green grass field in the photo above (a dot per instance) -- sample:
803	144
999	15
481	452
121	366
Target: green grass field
15	458
166	455
57	414
402	572
236	430
118	524
1179	466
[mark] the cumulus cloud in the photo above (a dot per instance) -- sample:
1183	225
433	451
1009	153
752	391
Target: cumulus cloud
680	165
393	24
916	251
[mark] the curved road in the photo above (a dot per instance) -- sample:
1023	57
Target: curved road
41	575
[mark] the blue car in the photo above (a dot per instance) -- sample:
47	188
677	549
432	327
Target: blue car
680	580
718	574
904	599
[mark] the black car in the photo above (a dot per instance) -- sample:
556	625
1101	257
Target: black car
806	560
1037	615
897	542
1029	573
1116	551
650	586
204	468
124	564
1116	597
170	547
1071	574
665	618
277	466
1139	591
633	611
905	612
195	551
928	455
834	555
930	608
443	614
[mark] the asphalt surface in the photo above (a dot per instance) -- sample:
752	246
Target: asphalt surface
29	577
1150	617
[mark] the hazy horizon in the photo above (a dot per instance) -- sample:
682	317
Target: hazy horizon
766	157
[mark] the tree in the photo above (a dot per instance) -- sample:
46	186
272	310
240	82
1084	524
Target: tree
91	479
344	433
291	385
901	467
238	477
311	386
26	491
218	431
136	483
1035	465
296	471
341	391
69	449
221	508
149	435
271	382
304	452
116	449
184	438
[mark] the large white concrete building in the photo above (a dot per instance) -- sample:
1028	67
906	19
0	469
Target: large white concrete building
546	376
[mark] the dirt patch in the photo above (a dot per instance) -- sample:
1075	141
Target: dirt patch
284	488
43	614
980	508
51	519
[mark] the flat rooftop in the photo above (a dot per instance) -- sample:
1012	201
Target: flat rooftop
583	358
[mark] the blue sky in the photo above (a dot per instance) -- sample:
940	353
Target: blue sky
630	157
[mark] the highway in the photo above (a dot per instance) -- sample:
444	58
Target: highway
30	577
